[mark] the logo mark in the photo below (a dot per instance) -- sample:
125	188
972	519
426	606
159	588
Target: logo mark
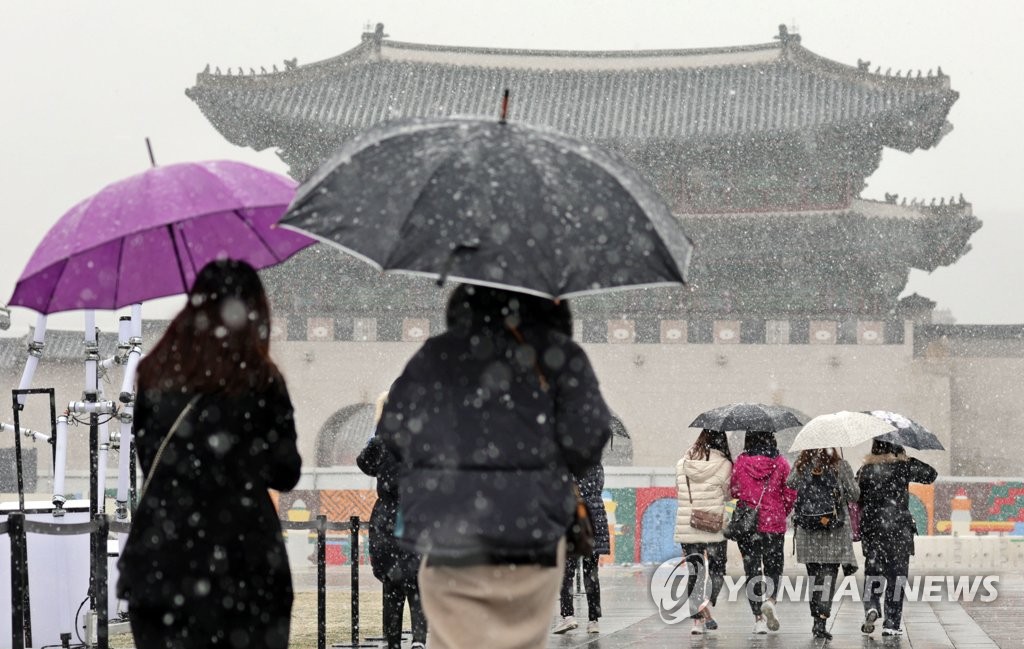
680	588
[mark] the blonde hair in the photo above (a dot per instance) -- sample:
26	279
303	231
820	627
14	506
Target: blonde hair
378	408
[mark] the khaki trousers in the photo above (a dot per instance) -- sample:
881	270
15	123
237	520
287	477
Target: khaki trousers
490	607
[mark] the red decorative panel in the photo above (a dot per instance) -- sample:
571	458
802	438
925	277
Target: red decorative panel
673	332
870	332
621	331
415	330
822	332
727	332
319	329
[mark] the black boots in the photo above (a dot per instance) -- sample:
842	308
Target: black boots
818	630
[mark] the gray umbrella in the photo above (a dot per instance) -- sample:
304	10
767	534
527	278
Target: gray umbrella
908	432
495	204
750	416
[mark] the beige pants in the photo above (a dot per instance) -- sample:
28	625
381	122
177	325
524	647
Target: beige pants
490	607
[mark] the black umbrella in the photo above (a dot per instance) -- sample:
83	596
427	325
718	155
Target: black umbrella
750	416
908	432
494	204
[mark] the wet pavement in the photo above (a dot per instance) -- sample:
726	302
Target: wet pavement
630	619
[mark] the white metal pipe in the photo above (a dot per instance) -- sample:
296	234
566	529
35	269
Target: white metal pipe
27	432
124	467
90	407
124	330
61	460
35	350
137	321
101	467
132	365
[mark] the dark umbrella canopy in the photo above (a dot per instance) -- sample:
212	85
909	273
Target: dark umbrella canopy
908	432
493	204
750	416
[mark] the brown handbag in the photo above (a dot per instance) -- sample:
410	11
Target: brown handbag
701	519
580	536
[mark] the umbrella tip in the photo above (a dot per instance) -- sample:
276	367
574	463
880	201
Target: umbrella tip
149	148
504	107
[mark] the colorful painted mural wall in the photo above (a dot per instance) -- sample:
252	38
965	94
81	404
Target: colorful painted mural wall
642	520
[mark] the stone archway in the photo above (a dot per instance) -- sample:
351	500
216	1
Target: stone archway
344	435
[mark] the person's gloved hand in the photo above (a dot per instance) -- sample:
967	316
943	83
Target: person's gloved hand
849	569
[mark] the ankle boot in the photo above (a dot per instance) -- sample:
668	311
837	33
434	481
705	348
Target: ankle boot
818	630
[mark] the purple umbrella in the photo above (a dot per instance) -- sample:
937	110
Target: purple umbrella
146	236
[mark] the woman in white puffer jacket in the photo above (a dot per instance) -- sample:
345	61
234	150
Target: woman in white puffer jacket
702	483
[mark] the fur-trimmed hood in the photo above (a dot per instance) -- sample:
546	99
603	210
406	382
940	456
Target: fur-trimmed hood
887	458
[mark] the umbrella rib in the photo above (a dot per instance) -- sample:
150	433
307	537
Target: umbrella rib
117	271
177	254
257	234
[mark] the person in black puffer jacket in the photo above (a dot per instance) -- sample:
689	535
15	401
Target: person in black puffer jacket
489	421
591	485
394	566
887	529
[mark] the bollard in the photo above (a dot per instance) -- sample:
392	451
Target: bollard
19	570
321	582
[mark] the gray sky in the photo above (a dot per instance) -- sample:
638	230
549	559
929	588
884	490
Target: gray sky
86	82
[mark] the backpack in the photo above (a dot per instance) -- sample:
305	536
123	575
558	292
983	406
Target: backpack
817	505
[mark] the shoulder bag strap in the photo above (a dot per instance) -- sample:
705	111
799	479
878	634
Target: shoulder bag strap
163	444
688	492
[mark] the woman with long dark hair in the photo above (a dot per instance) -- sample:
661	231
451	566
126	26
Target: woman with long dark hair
887	530
759	481
204	564
825	485
702	484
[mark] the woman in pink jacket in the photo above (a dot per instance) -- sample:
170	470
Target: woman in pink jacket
759	476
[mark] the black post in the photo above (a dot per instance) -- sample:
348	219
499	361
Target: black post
354	522
53	427
321	581
17	452
94	464
19	570
101	532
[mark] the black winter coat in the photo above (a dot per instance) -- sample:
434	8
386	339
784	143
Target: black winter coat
591	485
486	452
887	526
206	531
389	561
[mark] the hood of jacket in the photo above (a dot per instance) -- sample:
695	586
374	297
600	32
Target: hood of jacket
702	470
757	467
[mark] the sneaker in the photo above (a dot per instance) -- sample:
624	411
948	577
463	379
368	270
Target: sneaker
892	632
567	624
417	645
760	626
593	626
698	628
869	622
768	610
710	624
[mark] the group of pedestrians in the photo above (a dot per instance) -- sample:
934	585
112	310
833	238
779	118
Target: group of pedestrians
476	453
817	493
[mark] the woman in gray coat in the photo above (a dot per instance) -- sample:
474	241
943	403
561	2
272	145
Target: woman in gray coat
825	485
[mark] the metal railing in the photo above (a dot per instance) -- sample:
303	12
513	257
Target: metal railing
18	529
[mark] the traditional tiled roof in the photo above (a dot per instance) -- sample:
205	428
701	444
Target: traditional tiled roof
601	96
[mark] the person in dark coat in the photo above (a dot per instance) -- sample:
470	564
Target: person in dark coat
591	484
887	530
489	421
204	564
394	566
